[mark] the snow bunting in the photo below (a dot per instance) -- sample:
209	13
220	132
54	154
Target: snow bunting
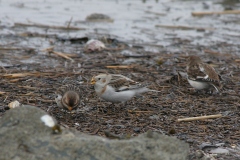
201	75
68	97
117	88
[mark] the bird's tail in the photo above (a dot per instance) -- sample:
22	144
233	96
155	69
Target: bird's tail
143	90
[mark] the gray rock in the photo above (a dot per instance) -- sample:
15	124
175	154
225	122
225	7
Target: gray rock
24	136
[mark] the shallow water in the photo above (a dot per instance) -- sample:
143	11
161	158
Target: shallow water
131	22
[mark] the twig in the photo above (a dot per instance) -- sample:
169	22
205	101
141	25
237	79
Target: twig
47	49
120	67
4	69
100	20
3	48
218	12
199	118
113	49
27	87
212	52
15	80
184	27
27	94
62	55
10	43
181	93
69	23
46	101
138	56
16	75
130	111
216	53
165	86
5	98
95	131
46	26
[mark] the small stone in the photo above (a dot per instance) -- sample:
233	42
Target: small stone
48	120
206	146
97	16
154	117
94	45
219	151
199	154
14	104
137	130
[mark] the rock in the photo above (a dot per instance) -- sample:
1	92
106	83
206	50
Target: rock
14	104
94	45
23	135
154	117
137	130
98	16
219	151
168	97
207	146
130	61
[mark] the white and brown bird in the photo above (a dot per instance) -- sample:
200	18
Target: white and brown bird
117	88
68	97
201	75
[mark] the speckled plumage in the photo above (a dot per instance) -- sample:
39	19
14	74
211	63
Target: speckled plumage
202	75
117	88
68	97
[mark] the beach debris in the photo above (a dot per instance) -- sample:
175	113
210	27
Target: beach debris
14	104
94	45
98	17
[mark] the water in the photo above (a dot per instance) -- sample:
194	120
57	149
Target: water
134	22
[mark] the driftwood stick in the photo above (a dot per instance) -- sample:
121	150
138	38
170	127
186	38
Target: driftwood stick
120	67
47	26
46	101
217	53
10	48
62	55
218	12
199	118
27	87
69	22
212	52
47	49
100	20
130	111
184	27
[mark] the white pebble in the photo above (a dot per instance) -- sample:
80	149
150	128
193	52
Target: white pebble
48	120
14	104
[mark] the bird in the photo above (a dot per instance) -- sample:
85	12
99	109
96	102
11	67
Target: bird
201	75
117	88
68	97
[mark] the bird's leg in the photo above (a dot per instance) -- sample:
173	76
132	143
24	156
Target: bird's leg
66	116
109	108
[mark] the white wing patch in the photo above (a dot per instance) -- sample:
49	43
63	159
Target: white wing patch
202	69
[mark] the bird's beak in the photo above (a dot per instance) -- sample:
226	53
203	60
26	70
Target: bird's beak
93	81
70	108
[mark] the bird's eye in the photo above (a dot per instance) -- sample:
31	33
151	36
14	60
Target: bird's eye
99	78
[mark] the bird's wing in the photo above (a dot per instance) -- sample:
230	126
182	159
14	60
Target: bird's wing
202	72
121	83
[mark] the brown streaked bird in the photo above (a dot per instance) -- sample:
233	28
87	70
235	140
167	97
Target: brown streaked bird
117	88
202	75
68	97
